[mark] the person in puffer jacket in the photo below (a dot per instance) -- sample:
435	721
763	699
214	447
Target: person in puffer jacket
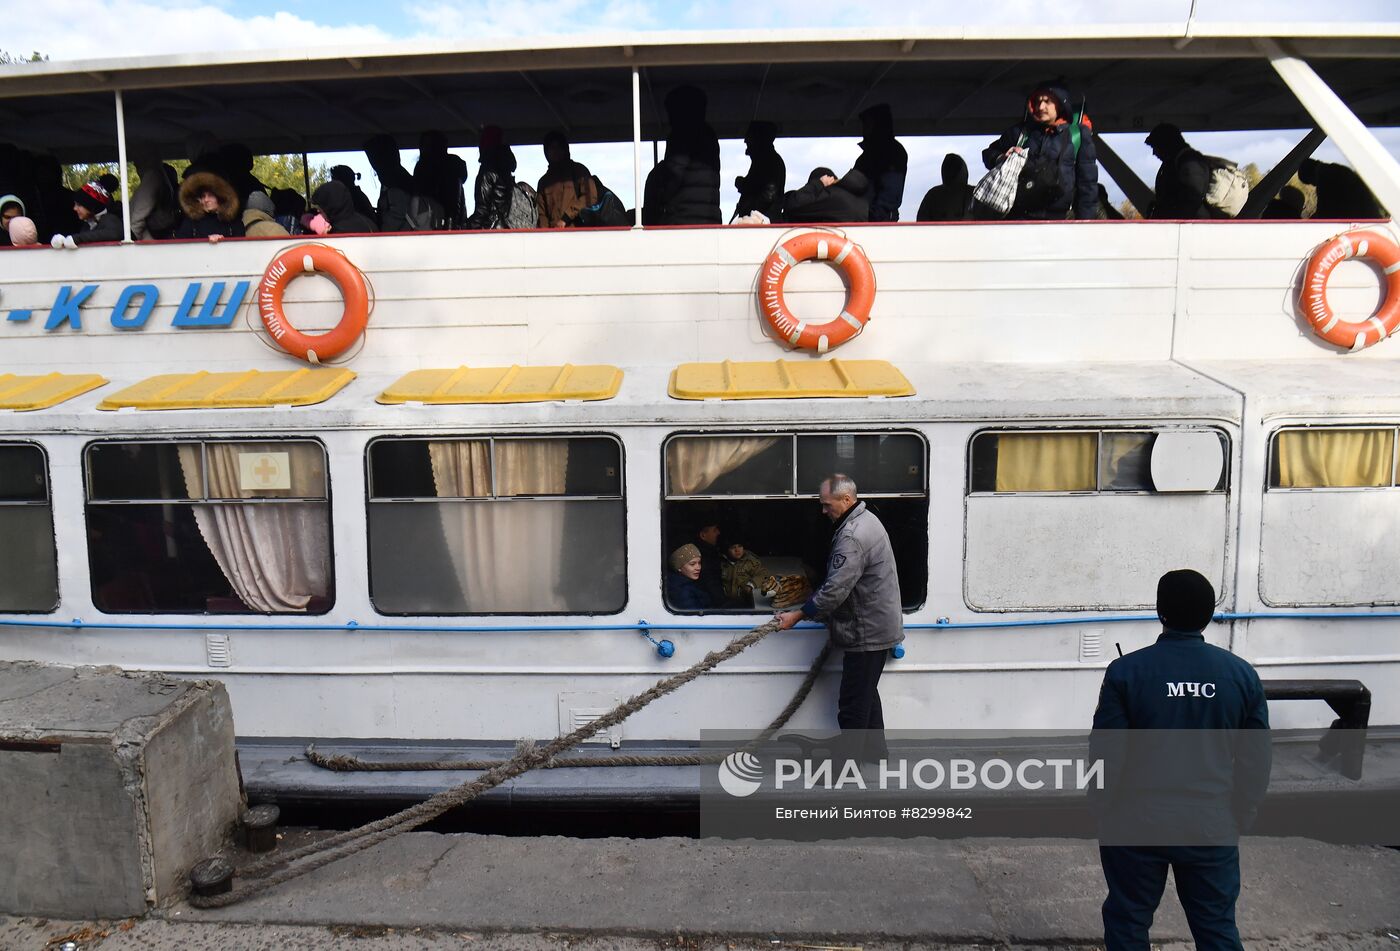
495	181
211	208
683	189
1049	141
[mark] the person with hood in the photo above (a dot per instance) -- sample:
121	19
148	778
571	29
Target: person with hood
93	207
350	178
11	207
883	162
495	182
211	208
334	200
951	201
396	187
1183	179
566	188
825	199
763	187
258	220
683	189
1066	175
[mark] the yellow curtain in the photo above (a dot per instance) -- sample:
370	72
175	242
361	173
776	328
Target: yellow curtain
531	466
1046	462
461	469
1331	458
694	463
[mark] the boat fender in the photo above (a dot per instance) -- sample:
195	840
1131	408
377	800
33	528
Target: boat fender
842	253
1352	335
329	262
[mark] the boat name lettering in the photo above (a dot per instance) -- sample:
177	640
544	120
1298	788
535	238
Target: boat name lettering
137	302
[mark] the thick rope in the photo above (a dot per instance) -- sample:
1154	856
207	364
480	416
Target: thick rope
276	869
346	763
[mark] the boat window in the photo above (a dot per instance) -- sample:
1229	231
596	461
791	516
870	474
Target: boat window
28	561
497	525
1065	461
211	527
759	492
1333	458
1088	519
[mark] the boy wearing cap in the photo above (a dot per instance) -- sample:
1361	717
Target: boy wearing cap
1178	811
94	207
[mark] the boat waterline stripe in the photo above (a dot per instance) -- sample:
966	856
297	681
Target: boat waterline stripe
352	626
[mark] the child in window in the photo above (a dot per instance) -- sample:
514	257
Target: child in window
739	571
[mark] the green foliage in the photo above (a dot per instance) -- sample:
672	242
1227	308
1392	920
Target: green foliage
274	171
11	59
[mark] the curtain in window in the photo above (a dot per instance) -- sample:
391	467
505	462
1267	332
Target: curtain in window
508	555
276	556
1046	462
693	465
1330	458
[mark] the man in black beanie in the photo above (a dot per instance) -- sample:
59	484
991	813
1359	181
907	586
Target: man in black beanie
1184	802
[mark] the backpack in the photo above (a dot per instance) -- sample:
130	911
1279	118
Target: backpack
608	213
165	213
425	213
1228	187
524	208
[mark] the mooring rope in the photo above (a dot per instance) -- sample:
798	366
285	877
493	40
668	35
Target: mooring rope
276	869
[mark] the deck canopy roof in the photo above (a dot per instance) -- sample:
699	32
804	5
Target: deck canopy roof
811	82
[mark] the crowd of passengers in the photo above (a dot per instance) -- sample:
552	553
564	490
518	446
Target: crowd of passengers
218	196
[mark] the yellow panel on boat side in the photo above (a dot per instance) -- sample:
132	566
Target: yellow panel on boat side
24	393
787	379
513	384
250	389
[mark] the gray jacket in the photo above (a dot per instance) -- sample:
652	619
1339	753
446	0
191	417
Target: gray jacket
860	598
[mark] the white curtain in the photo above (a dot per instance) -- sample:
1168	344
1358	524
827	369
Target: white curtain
508	554
693	464
276	556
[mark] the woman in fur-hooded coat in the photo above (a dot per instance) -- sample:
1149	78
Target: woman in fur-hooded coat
211	208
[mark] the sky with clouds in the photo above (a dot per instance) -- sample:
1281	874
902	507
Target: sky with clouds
84	29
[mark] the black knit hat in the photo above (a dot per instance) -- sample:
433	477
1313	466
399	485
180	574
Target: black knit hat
1185	600
93	197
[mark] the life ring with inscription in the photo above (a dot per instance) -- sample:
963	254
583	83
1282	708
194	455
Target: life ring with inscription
847	257
1354	335
314	259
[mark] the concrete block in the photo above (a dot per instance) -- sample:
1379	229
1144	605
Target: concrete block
113	783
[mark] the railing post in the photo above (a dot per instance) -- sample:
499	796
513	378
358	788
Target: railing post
121	169
637	146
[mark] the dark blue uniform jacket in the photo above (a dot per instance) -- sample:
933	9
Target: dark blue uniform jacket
1198	777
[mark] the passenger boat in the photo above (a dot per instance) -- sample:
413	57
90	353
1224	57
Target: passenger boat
459	528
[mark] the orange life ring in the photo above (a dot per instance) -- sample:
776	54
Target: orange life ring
860	294
1354	335
311	259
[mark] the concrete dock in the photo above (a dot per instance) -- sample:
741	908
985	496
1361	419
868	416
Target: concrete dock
430	890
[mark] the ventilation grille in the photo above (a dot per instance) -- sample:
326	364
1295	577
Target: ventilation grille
1091	644
578	710
216	650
